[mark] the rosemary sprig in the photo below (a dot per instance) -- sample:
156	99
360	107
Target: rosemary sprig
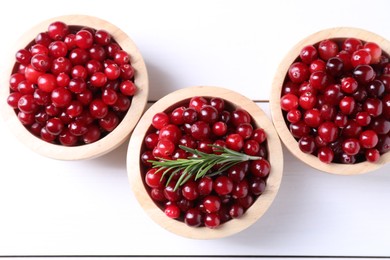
200	164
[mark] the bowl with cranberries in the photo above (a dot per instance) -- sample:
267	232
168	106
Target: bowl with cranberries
76	87
205	162
330	101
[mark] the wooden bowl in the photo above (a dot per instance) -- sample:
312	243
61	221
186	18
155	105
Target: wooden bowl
263	202
114	138
276	112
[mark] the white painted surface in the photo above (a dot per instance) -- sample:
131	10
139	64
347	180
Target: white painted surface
50	207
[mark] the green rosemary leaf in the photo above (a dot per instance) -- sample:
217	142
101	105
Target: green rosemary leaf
199	164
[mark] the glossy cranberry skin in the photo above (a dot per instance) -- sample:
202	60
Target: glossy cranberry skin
319	80
92	135
31	74
193	217
325	154
294	115
307	144
176	117
351	146
208	114
223	185
57	30
328	131
200	130
364	73
109	122
349	85
289	102
84	39
347	105
299	129
205	186
61	65
240	116
160	120
327	49
61	97
67	138
360	57
374	50
372	155
236	210
257	186
352	44
335	66
212	203
170	132
153	178
41	62
308	54
317	65
368	139
234	142
260	168
58	49
98	108
172	211
23	56
13	98
298	72
47	82
217	103
238	172
375	89
197	103
26	104
373	106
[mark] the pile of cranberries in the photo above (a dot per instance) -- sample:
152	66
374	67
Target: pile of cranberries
71	85
199	123
336	100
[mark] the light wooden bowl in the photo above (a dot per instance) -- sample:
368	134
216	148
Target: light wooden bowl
276	112
275	157
110	141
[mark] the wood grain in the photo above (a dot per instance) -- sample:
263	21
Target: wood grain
109	142
276	112
231	227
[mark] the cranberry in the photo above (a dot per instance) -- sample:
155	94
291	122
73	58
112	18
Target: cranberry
335	66
57	30
352	44
308	54
298	72
200	130
260	168
223	185
360	57
325	154
58	49
234	142
193	217
374	50
172	211
289	102
327	49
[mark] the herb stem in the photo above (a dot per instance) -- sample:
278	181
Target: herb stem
200	164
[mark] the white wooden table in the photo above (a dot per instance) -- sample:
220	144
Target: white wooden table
50	207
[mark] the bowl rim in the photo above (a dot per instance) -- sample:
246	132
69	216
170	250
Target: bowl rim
259	207
276	112
112	140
